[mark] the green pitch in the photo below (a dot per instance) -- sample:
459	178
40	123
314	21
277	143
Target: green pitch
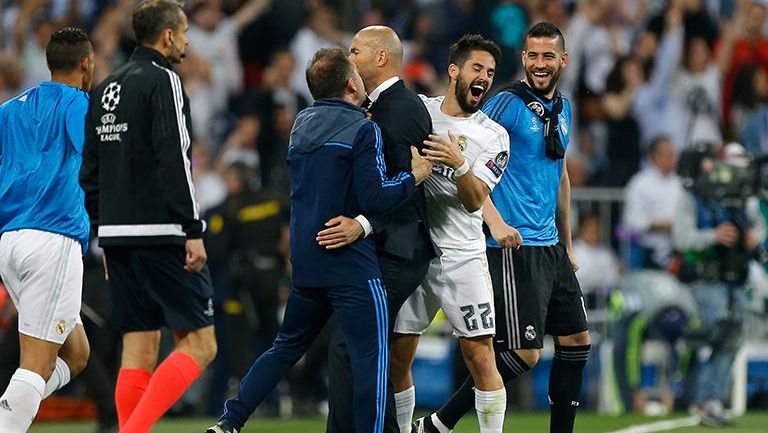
754	422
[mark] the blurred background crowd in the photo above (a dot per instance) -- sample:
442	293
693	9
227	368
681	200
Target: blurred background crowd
649	79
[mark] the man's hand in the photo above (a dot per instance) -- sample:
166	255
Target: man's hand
444	152
574	262
342	232
506	236
750	240
726	234
421	168
196	256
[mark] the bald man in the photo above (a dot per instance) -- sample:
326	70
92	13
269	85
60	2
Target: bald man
402	236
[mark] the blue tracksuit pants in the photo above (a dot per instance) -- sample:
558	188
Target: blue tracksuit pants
362	313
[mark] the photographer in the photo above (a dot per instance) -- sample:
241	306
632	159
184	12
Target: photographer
717	228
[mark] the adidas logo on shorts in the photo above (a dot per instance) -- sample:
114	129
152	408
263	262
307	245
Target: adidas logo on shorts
4	405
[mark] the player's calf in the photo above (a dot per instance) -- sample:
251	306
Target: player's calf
490	395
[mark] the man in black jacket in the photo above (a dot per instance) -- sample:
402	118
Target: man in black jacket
402	237
137	180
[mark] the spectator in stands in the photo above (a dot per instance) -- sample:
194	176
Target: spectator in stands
276	104
750	48
320	31
623	147
197	75
214	38
653	105
598	268
242	142
649	204
754	135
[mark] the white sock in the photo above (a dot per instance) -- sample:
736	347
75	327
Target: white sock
19	403
490	407
405	402
442	428
59	378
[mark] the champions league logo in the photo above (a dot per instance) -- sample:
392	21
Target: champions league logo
111	97
537	108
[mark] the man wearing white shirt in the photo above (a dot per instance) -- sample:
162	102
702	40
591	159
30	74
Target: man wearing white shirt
650	199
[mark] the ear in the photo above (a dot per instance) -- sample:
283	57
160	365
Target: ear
564	60
453	71
351	86
522	58
382	58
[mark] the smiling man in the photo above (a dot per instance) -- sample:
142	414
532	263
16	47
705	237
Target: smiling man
529	252
470	152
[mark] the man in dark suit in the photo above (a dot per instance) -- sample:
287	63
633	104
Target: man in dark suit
402	235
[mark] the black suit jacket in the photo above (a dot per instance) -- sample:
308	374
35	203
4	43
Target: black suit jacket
404	122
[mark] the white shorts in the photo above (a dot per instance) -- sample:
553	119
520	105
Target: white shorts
43	273
460	284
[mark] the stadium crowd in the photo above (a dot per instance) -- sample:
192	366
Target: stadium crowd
647	79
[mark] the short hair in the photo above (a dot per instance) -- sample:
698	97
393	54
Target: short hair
544	29
67	48
461	49
151	17
656	142
328	72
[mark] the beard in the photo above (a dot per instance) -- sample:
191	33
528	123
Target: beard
462	93
553	79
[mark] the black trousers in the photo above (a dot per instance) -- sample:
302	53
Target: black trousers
401	277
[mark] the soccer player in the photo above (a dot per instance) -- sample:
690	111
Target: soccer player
337	167
470	152
44	227
137	178
529	254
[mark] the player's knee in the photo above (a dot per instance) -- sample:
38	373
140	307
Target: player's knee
529	356
79	359
200	345
480	360
580	339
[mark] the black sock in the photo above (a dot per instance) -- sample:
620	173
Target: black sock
510	366
565	386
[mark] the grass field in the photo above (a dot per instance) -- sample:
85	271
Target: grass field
756	422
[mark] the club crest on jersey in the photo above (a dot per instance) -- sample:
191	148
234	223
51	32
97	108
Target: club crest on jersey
536	107
61	326
530	332
462	140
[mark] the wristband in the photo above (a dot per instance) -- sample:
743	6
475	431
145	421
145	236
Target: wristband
462	170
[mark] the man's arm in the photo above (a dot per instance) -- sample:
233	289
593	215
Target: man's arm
504	234
472	191
375	192
687	236
170	142
563	218
89	171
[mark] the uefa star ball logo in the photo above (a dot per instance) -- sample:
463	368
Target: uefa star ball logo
111	97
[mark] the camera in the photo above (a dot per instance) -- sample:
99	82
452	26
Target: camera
722	187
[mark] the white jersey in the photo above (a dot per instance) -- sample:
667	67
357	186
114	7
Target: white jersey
485	145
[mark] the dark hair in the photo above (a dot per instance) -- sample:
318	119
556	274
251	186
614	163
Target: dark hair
152	17
328	72
460	50
544	29
67	48
656	143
